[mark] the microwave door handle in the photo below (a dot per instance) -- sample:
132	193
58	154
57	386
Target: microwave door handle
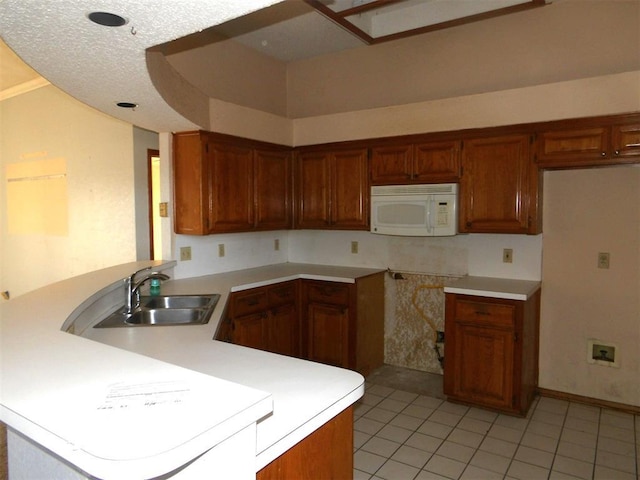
430	202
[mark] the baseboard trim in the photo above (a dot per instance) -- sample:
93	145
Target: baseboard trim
596	402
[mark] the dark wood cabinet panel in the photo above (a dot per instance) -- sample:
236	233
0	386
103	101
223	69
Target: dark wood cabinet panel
332	189
584	143
273	189
579	146
326	453
328	327
312	190
265	318
437	162
248	331
191	183
499	186
229	184
232	195
350	190
337	323
392	164
625	141
422	162
491	354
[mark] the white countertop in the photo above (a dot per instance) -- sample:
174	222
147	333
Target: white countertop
57	387
494	287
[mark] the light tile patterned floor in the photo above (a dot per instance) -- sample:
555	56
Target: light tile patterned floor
401	435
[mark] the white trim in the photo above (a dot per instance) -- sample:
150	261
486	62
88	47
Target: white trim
23	88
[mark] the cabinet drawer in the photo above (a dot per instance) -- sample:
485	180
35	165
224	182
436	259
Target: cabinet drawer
328	292
488	313
282	294
251	301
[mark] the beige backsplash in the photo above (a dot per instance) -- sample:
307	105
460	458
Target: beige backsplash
409	337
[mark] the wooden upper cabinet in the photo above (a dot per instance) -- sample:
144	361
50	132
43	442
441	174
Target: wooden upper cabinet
590	142
191	183
436	162
232	196
350	190
332	190
312	190
581	146
499	185
625	141
230	184
426	162
273	189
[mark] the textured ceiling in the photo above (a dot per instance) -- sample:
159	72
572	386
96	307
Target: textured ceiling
103	65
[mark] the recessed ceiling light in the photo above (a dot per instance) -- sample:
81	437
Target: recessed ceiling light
107	19
127	105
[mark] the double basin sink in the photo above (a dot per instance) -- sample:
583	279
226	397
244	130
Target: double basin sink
165	310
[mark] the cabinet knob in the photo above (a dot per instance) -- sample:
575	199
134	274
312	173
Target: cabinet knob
617	152
603	154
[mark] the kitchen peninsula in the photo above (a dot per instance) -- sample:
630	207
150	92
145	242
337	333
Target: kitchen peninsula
166	401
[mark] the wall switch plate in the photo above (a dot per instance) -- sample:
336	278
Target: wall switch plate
276	244
603	260
185	254
221	249
507	255
354	247
163	209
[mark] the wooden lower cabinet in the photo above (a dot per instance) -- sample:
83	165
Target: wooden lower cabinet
265	318
340	324
344	323
491	352
325	454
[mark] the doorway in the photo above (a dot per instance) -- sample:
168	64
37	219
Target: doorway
155	237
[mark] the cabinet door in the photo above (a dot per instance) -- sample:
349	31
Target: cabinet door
483	365
282	331
190	183
249	331
568	148
626	141
232	195
391	164
312	190
273	189
350	190
496	189
328	329
436	162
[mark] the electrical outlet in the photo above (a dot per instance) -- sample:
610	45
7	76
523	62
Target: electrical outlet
603	260
276	244
439	336
507	255
185	254
221	249
354	247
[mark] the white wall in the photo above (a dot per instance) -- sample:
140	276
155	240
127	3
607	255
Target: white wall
143	140
98	150
587	212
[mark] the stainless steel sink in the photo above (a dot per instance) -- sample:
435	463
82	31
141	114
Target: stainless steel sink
165	310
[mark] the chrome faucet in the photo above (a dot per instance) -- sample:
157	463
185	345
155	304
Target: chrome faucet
132	293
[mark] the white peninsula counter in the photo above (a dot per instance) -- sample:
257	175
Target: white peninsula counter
156	401
145	402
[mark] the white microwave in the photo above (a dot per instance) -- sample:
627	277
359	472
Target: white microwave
415	210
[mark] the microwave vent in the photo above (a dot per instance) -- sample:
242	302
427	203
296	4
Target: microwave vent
434	188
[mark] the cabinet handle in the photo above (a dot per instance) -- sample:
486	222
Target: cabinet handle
603	154
479	312
617	152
